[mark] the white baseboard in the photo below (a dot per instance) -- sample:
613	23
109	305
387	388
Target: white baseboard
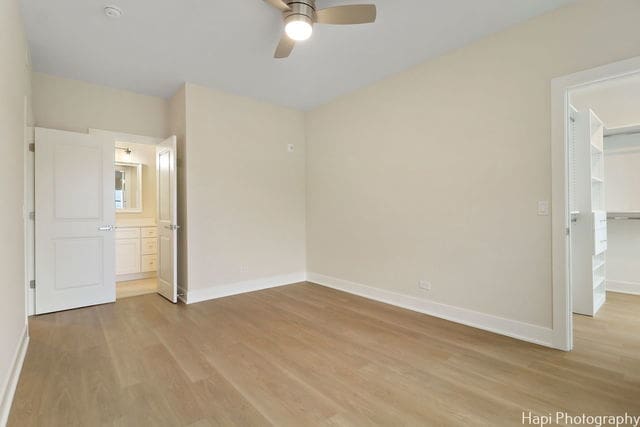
182	294
499	325
31	301
213	292
9	387
623	287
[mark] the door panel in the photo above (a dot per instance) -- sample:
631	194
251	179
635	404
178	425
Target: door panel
77	175
74	200
167	219
77	262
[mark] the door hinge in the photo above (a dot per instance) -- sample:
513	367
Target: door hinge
32	147
32	216
32	284
568	231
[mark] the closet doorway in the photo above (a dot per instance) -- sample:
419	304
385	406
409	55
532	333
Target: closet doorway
603	148
595	162
613	107
105	218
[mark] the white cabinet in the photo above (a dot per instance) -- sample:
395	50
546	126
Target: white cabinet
136	252
587	204
127	256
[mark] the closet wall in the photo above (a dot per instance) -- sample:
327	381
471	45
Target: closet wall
622	166
242	193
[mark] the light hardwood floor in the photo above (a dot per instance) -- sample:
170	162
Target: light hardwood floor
308	355
133	288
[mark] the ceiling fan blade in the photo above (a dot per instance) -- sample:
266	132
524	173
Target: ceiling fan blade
278	4
284	47
346	15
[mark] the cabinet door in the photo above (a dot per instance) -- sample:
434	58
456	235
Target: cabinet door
127	256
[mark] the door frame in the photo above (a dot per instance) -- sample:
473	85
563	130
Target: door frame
562	330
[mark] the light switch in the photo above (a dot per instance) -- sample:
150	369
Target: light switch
543	208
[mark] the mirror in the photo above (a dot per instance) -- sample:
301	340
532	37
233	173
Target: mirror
128	196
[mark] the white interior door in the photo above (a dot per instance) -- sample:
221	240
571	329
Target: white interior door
75	213
167	219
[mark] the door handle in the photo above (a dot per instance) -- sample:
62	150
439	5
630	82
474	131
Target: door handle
106	228
172	227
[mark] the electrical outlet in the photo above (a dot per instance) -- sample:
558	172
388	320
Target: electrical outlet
424	285
244	268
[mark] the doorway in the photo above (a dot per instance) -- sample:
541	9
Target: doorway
135	195
584	217
105	218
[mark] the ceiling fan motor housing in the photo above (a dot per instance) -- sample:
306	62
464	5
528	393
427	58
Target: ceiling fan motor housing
301	10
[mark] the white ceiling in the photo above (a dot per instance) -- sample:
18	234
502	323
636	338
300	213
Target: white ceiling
228	44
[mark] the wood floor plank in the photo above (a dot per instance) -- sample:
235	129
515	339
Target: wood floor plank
308	355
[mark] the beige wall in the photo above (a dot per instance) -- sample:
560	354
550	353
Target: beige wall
146	155
435	173
14	90
246	193
77	106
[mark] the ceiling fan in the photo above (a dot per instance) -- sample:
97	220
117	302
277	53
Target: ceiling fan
300	15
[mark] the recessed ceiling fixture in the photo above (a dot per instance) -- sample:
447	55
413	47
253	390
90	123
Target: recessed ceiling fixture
113	11
300	15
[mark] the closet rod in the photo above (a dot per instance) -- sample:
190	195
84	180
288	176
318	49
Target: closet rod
624	217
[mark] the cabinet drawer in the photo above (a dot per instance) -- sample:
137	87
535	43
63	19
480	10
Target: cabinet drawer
149	246
148	232
149	263
127	233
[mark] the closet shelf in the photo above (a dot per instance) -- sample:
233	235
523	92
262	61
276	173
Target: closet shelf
589	237
599	301
599	281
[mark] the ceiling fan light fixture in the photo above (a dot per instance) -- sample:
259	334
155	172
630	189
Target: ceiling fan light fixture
112	11
298	27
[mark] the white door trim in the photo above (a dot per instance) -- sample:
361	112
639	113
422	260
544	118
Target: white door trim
128	138
560	218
